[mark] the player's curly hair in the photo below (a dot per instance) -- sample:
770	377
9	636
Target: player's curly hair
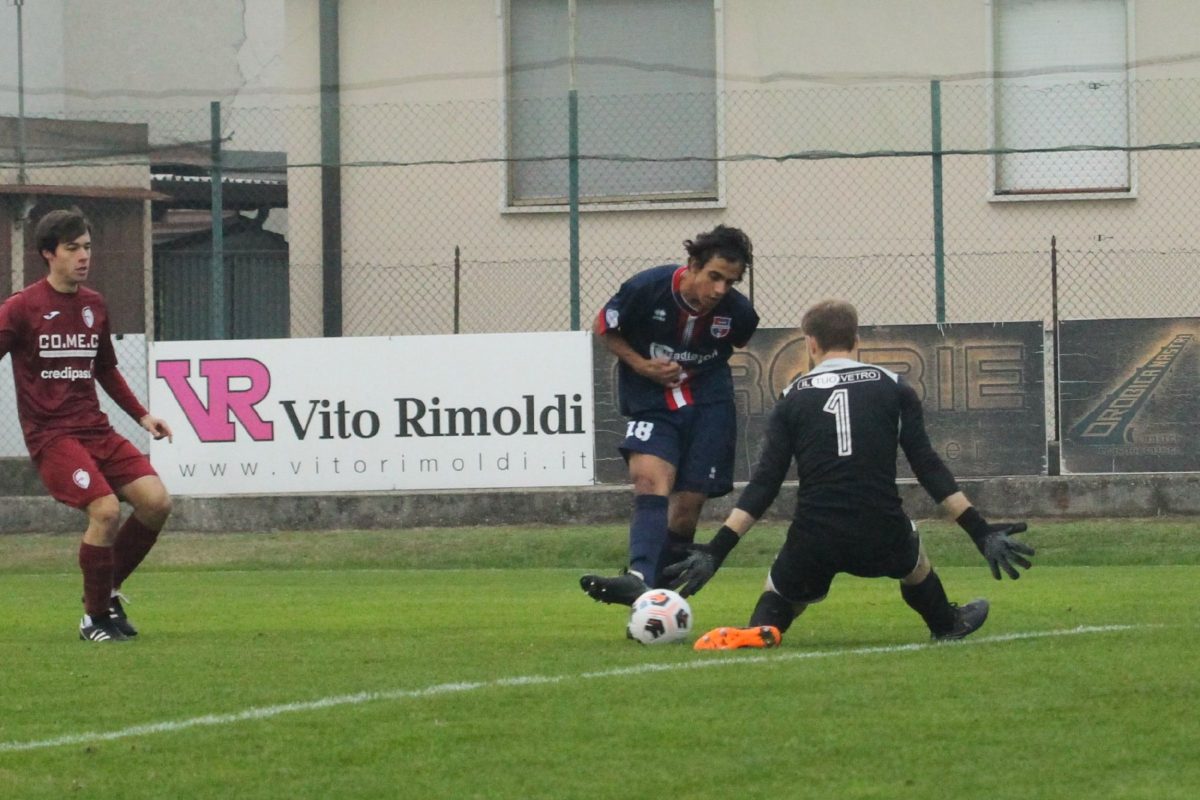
57	227
833	323
731	244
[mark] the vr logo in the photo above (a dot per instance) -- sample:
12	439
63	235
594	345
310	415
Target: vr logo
212	422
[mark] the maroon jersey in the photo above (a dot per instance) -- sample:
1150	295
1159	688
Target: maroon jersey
61	347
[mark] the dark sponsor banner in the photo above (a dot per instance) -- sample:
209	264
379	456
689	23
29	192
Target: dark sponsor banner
1130	398
981	385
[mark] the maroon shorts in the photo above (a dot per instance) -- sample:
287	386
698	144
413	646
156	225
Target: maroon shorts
79	469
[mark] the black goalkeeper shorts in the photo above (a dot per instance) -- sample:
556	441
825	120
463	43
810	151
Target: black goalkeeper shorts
817	549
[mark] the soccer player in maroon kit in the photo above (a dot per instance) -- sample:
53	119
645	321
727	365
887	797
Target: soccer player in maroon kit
58	333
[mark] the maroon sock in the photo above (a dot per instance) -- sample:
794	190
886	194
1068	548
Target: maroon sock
134	541
96	564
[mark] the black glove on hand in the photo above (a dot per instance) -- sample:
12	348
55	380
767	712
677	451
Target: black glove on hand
689	575
995	543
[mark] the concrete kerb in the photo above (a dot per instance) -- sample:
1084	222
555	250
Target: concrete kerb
1148	495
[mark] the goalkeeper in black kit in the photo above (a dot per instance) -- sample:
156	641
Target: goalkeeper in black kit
842	424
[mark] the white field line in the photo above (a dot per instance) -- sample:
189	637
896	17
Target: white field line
772	657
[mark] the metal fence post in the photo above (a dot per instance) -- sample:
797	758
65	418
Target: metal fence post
217	274
1054	447
939	241
331	169
573	167
457	283
22	177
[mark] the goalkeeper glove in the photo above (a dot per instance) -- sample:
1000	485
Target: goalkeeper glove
689	575
996	544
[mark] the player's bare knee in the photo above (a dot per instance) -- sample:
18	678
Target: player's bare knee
151	502
920	571
103	515
155	510
644	483
104	510
650	474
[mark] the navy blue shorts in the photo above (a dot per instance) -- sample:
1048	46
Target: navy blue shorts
700	441
817	550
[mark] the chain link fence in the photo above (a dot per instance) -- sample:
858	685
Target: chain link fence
444	229
454	216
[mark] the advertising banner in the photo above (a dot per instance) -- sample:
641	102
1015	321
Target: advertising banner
981	386
1130	397
374	413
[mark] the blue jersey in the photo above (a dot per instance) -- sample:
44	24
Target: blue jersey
650	313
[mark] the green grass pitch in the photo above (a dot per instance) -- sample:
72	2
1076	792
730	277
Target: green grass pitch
342	665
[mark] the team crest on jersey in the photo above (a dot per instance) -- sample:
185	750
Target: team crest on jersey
660	315
82	479
89	318
721	326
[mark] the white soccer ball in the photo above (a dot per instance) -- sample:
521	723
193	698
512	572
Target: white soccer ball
659	616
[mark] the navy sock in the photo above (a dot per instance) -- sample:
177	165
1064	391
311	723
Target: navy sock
647	535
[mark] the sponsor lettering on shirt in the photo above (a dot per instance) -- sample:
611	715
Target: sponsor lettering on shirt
659	350
66	374
68	341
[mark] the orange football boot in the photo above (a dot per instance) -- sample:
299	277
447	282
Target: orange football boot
734	638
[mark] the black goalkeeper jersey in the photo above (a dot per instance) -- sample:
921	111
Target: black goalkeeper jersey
842	424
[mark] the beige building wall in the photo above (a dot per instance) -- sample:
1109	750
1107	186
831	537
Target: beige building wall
156	61
424	83
123	172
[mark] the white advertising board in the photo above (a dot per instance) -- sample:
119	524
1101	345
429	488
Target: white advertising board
276	416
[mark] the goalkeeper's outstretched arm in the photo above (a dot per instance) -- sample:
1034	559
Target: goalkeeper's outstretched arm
994	541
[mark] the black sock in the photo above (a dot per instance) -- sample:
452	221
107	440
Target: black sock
675	550
772	609
928	598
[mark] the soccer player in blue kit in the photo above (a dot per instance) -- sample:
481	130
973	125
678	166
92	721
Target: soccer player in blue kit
673	329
